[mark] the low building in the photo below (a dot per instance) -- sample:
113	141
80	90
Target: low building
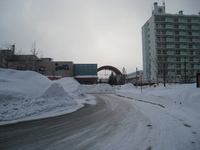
86	73
83	73
55	69
8	59
134	76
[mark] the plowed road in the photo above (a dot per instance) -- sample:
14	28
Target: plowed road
115	123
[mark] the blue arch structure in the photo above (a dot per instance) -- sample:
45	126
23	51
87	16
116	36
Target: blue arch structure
115	70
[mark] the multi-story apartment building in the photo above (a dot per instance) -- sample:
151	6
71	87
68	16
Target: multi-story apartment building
171	46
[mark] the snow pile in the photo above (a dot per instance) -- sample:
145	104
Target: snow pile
71	86
55	91
26	95
97	88
22	83
128	86
169	96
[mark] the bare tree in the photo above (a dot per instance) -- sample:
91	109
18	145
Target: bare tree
35	52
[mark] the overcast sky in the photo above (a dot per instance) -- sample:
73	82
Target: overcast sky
106	32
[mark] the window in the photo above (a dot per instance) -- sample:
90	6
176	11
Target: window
159	52
190	45
176	33
176	39
178	58
176	26
189	27
178	53
190	59
177	45
178	72
178	65
190	39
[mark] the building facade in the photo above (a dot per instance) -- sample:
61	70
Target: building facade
171	46
56	69
86	73
83	73
134	76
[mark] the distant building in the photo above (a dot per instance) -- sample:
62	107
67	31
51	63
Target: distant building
86	73
8	59
56	69
83	73
171	44
134	76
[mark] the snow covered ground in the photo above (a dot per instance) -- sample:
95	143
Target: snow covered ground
173	111
27	95
97	88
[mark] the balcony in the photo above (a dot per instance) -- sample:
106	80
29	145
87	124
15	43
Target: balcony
183	46
169	26
169	39
182	33
170	59
195	21
169	20
195	34
170	46
171	73
169	33
195	27
197	66
195	47
183	66
196	60
171	67
182	27
170	53
183	40
182	20
183	60
195	40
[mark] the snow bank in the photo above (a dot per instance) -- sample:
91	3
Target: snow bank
71	86
128	86
169	96
97	88
26	95
22	83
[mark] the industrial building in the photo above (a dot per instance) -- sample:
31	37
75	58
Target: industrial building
171	46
